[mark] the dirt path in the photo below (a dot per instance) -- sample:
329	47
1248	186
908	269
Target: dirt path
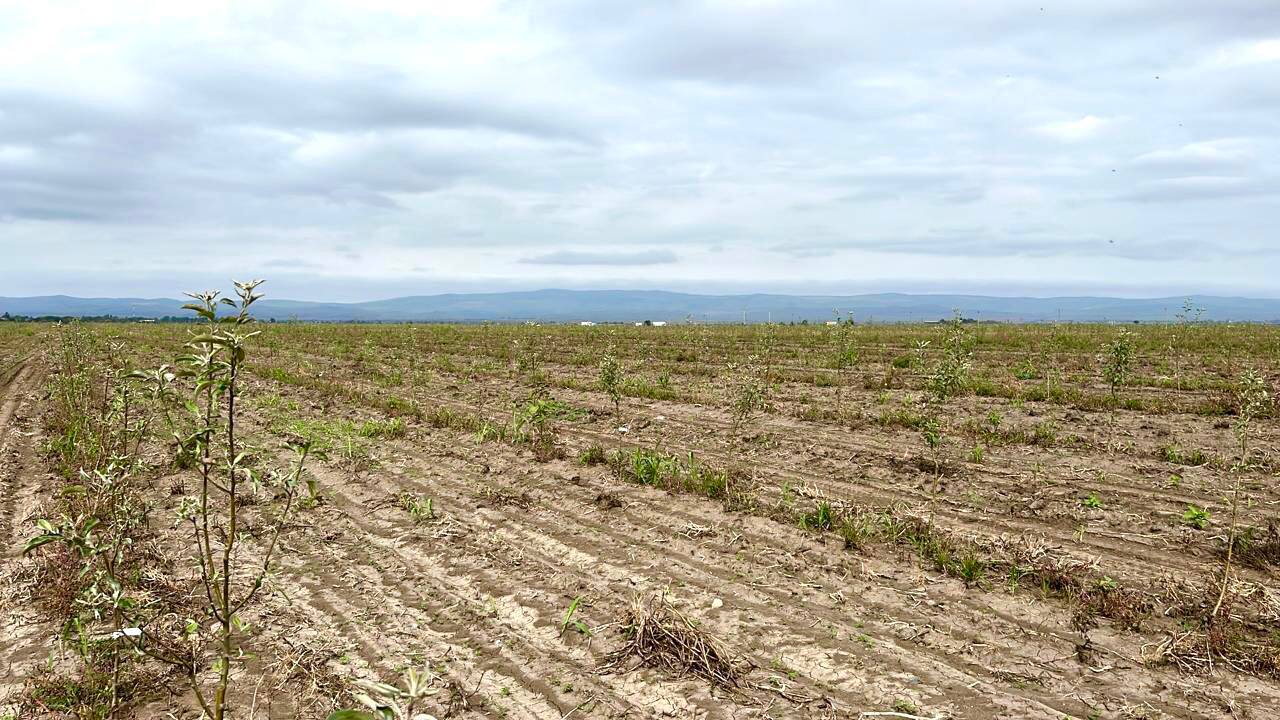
17	454
11	384
27	635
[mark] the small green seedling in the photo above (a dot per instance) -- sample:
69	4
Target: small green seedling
420	507
1196	517
571	622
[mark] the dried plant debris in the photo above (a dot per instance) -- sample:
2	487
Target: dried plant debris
657	635
304	668
1217	647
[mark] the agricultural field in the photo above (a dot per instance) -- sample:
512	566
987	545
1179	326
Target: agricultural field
500	521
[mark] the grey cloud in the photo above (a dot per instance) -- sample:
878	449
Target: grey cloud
695	41
994	245
566	257
211	121
804	250
768	43
515	136
107	175
232	89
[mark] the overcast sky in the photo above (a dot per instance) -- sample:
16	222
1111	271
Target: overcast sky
373	149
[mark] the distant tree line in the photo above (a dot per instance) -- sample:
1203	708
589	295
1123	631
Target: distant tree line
7	317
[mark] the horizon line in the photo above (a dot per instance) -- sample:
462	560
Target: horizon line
268	297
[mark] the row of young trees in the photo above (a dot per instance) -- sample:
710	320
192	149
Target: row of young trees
103	419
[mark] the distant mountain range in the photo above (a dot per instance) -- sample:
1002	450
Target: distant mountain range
638	305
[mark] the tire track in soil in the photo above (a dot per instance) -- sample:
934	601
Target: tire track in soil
753	599
855	391
464	585
357	554
868	488
18	453
395	623
418	594
874	369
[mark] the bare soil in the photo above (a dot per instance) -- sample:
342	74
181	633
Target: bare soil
480	591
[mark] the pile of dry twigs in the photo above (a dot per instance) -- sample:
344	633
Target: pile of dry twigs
660	636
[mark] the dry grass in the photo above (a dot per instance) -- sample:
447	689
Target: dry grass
303	670
500	496
1239	638
659	636
1201	652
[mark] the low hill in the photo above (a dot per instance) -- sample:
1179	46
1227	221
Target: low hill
637	305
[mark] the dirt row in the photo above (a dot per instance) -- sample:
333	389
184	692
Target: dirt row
518	540
1016	490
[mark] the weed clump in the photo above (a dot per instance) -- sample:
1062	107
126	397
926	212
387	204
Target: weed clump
593	455
446	418
1258	547
534	423
1178	456
388	429
654	468
419	507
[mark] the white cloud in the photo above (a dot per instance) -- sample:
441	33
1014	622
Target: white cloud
1255	52
16	154
1222	153
1072	130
